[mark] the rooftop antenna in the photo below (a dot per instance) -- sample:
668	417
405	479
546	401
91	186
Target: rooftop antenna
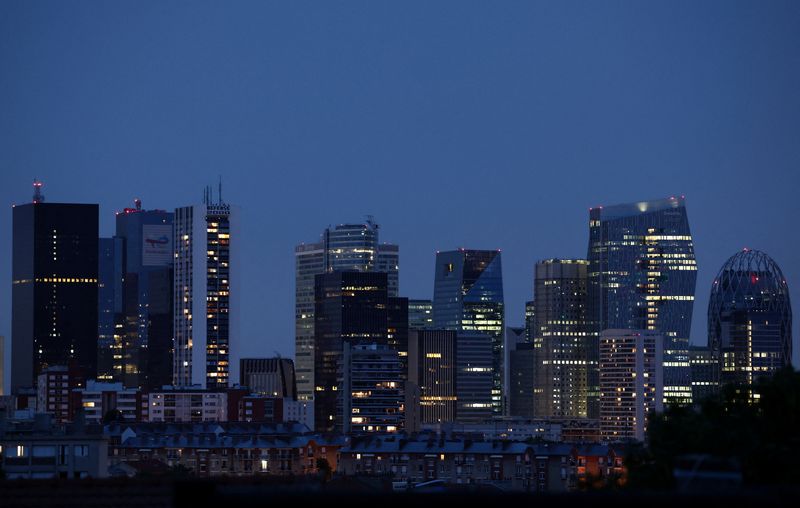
38	197
219	195
138	203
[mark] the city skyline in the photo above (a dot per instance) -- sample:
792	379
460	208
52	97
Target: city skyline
504	107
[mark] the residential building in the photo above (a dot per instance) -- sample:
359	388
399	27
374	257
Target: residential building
631	382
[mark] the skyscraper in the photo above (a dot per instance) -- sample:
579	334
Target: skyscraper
205	294
109	313
346	247
705	373
147	242
371	374
468	296
750	318
54	290
562	340
351	307
631	382
642	274
269	376
420	314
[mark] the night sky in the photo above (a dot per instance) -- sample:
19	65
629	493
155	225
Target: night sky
454	124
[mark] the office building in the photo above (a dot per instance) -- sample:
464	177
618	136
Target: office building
268	376
705	373
750	319
562	340
514	336
147	296
521	381
468	296
346	247
420	314
631	382
2	365
205	294
372	397
475	382
530	314
54	289
350	307
99	400
109	312
642	274
431	387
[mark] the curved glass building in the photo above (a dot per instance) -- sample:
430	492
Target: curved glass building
750	318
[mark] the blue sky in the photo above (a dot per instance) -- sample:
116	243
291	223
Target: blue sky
475	124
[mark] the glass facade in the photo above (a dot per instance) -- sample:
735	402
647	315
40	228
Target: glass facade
642	275
750	318
420	314
109	300
468	296
562	340
54	295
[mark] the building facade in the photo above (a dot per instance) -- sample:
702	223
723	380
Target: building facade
268	376
562	341
522	378
54	289
705	373
468	296
631	382
372	397
750	318
642	275
205	295
420	314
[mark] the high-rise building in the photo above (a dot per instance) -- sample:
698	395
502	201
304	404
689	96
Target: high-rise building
346	247
372	395
350	307
147	294
468	296
515	335
562	341
521	381
420	314
705	373
475	380
631	382
431	386
205	295
54	290
530	315
642	274
269	376
750	318
109	312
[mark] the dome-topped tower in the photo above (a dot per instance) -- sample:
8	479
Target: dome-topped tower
750	318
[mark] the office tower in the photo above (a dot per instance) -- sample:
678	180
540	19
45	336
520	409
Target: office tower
54	290
420	314
514	336
562	340
371	376
475	380
521	381
750	318
705	373
530	315
468	296
268	376
205	294
431	387
147	293
642	274
109	311
346	247
350	307
397	327
631	382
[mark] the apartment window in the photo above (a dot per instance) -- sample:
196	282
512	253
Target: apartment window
81	451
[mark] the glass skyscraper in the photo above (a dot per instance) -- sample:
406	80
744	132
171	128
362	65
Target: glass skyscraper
54	295
642	275
750	318
346	247
468	296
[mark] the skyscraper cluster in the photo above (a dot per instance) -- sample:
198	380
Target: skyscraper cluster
604	340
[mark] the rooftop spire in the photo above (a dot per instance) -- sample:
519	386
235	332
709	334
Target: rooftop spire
38	197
